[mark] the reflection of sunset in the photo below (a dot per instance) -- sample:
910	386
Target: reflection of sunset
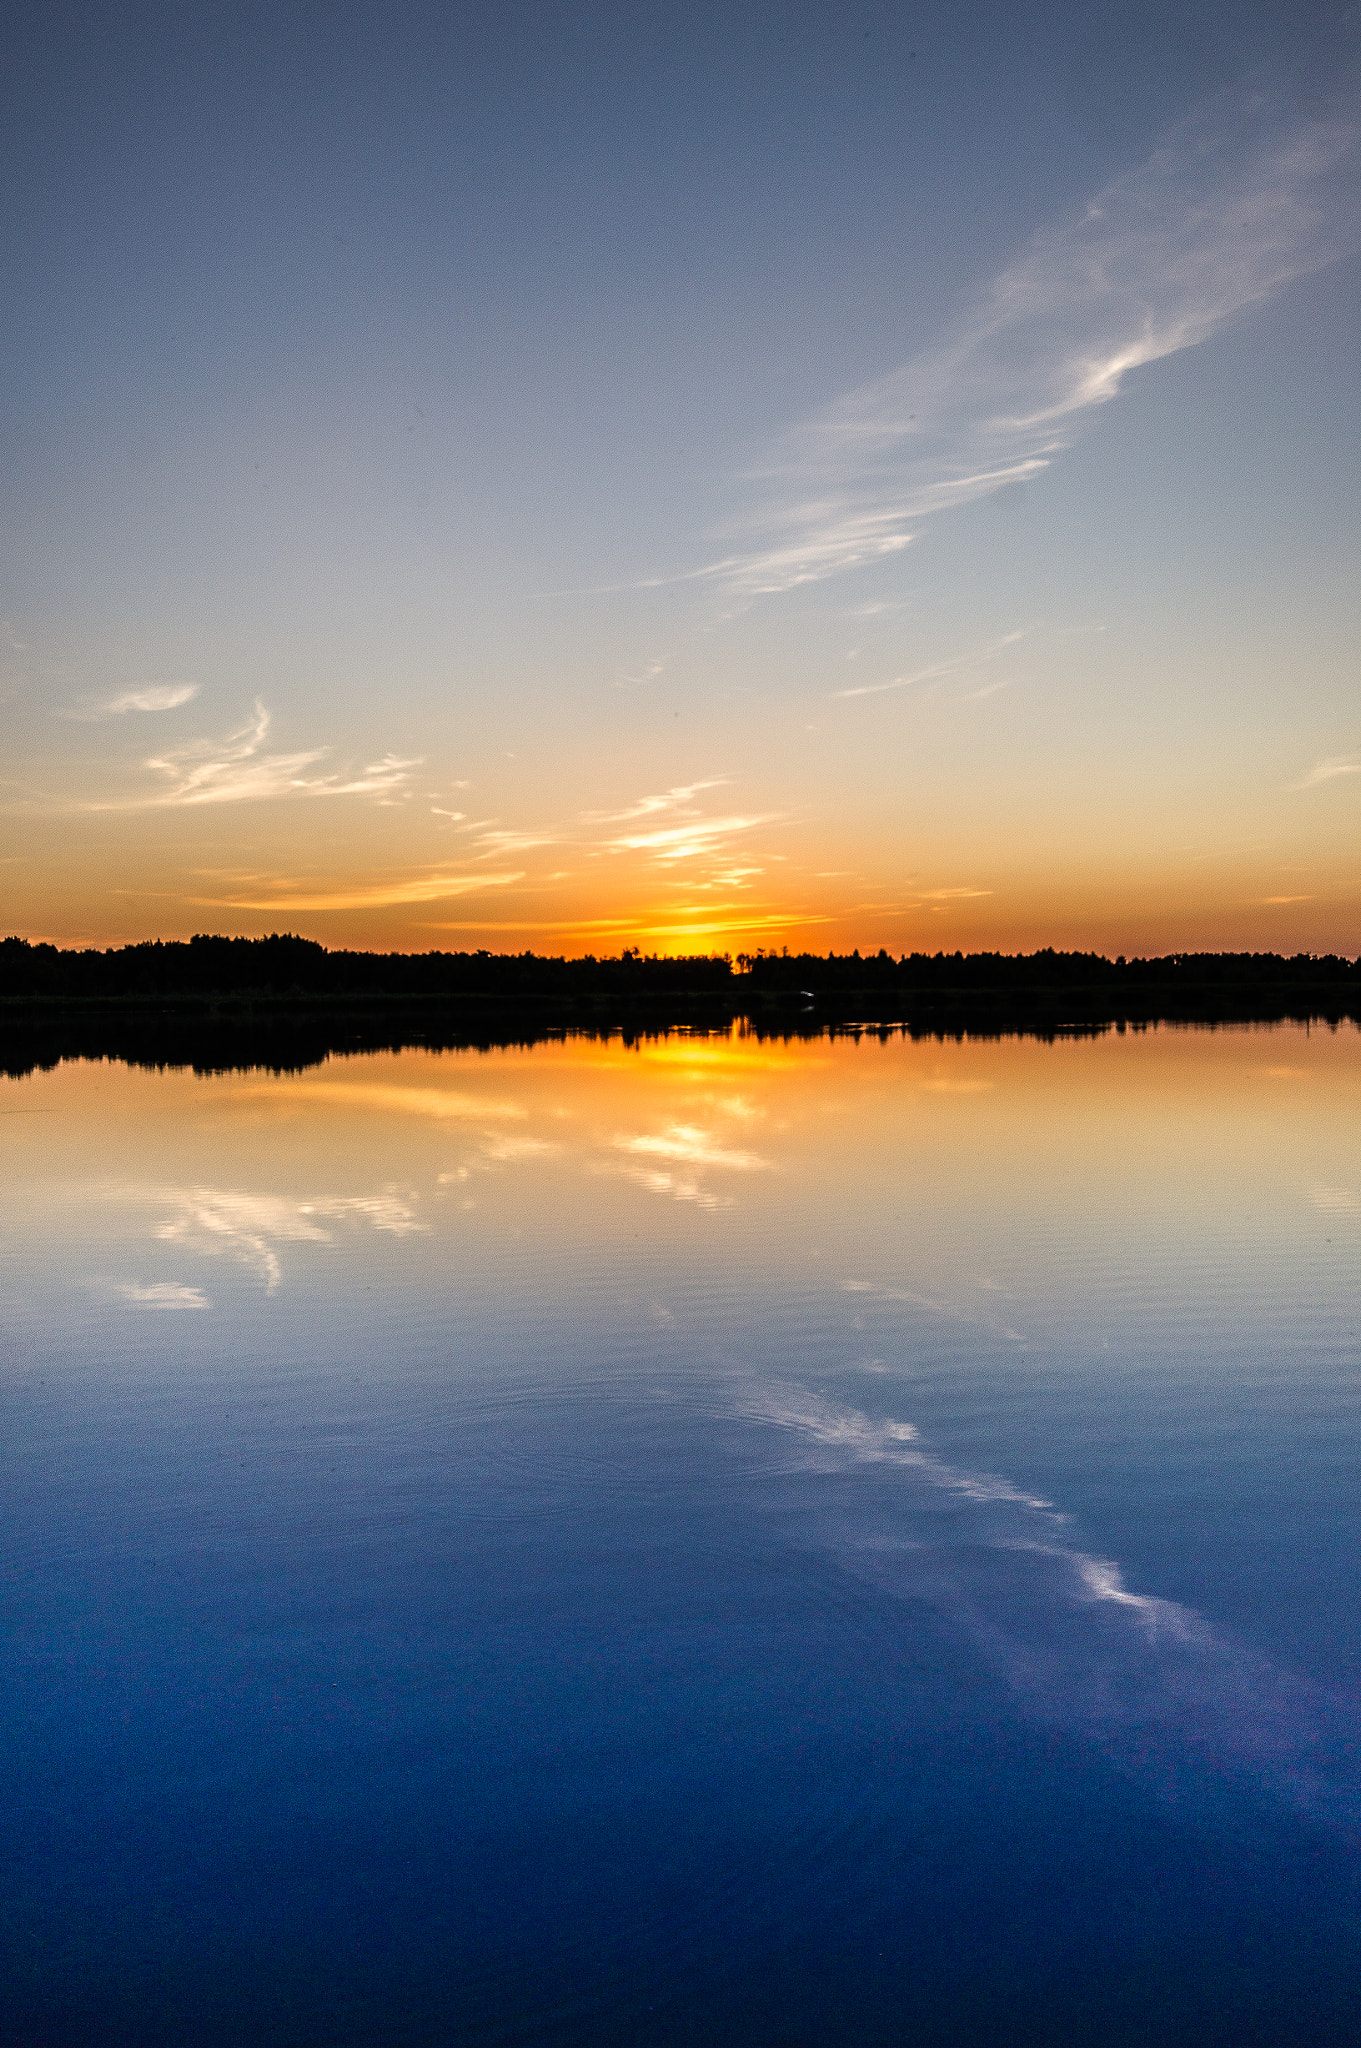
387	1394
814	587
387	1099
585	1142
535	1512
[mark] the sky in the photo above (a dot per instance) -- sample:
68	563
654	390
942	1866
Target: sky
690	477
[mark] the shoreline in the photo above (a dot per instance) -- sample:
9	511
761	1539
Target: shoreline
288	1033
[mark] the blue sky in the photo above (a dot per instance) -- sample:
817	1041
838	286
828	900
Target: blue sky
690	477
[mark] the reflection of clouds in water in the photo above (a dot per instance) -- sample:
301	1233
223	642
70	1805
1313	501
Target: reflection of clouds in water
442	1104
514	1151
847	1436
680	1187
948	1310
693	1146
162	1294
495	1151
229	1223
1151	1682
683	1146
388	1211
671	1162
740	1106
942	1084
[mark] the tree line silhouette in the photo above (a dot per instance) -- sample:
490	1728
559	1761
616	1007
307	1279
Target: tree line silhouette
285	968
285	1003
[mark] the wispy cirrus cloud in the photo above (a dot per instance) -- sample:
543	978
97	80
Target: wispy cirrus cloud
693	839
494	841
1240	199
1329	770
667	827
696	926
238	769
670	827
959	664
668	830
655	806
146	697
234	768
422	888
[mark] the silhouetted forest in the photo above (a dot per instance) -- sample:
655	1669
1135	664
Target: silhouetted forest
284	968
287	968
286	1002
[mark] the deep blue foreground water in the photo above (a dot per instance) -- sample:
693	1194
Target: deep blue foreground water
714	1543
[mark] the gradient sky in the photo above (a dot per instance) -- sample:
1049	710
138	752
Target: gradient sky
696	477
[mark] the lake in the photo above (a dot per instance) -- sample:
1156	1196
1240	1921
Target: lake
711	1540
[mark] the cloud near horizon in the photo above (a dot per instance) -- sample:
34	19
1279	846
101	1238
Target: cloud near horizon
667	831
375	896
673	828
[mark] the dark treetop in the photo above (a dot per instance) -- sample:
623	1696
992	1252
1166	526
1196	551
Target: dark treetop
285	1001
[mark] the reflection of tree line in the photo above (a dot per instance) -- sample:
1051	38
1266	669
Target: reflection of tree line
286	1002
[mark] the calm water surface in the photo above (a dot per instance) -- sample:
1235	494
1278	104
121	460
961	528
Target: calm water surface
716	1542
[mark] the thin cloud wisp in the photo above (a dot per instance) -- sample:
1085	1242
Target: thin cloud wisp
1241	199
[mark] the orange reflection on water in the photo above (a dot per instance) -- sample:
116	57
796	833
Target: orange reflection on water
923	1171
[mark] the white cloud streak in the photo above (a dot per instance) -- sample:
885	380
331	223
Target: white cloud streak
654	806
1150	1682
1329	770
1242	198
670	827
162	1294
249	1228
693	1146
696	839
850	1437
238	770
146	697
427	888
960	663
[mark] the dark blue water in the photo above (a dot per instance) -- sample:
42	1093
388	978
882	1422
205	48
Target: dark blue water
846	1543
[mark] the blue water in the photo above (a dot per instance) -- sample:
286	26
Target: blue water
845	1543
